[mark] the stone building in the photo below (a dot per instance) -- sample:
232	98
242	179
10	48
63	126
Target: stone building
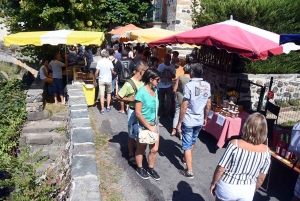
174	15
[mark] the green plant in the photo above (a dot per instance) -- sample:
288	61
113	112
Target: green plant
26	184
61	130
288	124
20	170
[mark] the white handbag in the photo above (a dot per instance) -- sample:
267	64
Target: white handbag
147	136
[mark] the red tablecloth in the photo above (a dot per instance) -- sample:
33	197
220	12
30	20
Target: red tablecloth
231	127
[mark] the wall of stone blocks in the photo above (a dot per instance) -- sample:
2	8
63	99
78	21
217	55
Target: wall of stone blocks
35	102
285	86
84	171
179	15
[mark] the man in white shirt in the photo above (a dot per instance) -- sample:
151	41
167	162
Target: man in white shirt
104	70
165	86
56	65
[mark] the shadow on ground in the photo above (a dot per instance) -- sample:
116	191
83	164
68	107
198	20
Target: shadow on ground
185	192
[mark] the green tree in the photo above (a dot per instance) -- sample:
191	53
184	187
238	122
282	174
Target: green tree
276	16
36	15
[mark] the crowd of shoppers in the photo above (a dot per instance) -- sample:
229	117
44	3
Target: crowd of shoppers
135	78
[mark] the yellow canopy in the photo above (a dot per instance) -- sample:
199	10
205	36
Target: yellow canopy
67	37
148	35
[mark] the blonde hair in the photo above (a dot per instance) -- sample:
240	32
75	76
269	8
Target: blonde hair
255	129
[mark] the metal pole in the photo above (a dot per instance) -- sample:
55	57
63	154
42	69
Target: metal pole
68	64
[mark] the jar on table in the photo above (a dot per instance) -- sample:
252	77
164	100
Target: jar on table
231	106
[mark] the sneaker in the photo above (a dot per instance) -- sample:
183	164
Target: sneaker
187	174
153	174
142	173
108	109
102	112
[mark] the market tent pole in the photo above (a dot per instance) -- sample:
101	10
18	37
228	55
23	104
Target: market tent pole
67	65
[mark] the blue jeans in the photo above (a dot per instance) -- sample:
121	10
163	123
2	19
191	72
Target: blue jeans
189	136
132	124
113	87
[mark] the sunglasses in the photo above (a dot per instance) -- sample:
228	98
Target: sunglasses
157	79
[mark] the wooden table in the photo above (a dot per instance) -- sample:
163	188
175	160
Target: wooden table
231	127
284	161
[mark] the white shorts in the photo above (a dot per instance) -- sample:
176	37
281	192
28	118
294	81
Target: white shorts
233	192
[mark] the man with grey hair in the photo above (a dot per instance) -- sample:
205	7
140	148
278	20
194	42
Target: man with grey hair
104	70
194	111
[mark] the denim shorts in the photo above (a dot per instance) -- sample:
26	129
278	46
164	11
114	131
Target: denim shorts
58	86
189	136
132	124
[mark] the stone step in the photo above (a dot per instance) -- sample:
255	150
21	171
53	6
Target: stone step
45	138
42	126
60	116
51	152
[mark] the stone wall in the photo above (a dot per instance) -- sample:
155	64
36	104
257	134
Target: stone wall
85	180
179	15
284	86
35	101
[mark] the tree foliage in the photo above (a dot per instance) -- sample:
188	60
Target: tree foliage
275	16
36	15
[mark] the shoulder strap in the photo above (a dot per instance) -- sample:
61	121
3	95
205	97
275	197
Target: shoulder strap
131	82
236	141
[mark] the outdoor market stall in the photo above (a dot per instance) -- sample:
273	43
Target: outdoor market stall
282	138
65	37
234	37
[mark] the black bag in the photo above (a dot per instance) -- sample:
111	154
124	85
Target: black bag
125	71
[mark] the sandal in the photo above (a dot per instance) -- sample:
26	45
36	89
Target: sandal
122	112
132	160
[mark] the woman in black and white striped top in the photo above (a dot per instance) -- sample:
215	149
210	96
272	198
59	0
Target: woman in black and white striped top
245	163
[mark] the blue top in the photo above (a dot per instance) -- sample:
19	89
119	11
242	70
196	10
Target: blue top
149	104
196	92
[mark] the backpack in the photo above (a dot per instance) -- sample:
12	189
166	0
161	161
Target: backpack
295	140
132	85
125	71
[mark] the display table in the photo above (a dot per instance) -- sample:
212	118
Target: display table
231	127
284	161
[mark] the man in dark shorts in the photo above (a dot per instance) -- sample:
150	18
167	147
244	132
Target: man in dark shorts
58	87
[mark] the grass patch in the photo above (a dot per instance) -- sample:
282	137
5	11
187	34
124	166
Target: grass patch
108	171
56	108
61	130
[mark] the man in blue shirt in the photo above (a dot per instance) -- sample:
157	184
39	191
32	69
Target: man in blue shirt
194	111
